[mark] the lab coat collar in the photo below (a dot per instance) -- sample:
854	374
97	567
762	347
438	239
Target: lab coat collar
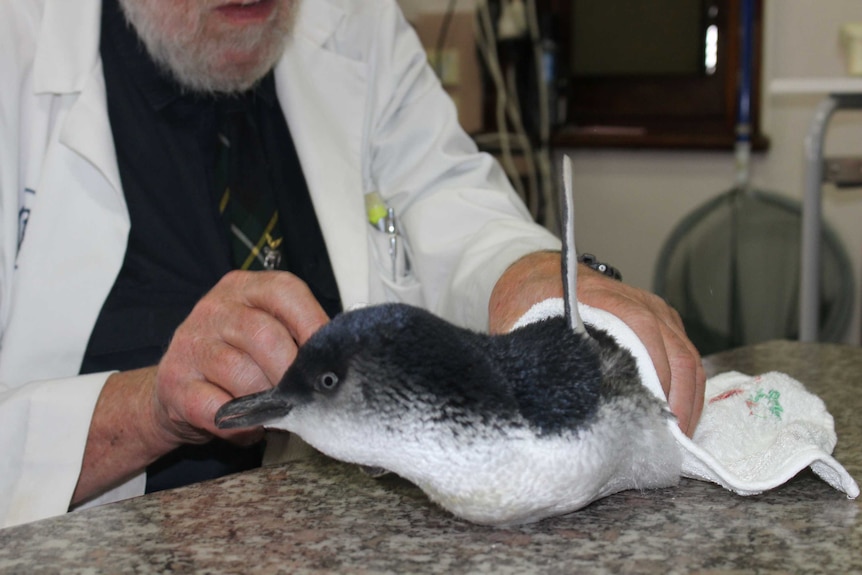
318	23
67	52
313	76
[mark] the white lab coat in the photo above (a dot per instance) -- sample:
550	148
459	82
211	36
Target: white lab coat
366	114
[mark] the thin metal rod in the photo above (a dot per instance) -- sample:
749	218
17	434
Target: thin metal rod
809	281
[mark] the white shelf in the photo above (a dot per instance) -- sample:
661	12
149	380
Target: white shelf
845	85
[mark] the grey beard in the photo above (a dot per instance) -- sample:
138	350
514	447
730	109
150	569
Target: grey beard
190	61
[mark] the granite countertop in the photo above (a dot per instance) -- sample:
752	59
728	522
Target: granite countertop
321	516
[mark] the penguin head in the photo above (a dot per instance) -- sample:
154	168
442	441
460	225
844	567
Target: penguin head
368	385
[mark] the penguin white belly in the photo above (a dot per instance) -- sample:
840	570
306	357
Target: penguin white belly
523	478
510	475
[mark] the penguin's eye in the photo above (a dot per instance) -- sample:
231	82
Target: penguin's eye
327	382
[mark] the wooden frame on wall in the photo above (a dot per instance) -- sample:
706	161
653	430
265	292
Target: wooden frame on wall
682	111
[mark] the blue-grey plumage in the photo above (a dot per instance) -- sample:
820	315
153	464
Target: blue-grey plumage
498	429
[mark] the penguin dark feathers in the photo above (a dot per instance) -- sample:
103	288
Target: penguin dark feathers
498	429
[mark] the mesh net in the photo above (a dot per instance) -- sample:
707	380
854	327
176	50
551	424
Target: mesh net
731	269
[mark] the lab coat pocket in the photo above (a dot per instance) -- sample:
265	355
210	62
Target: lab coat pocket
392	278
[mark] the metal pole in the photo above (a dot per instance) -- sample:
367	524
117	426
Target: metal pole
809	281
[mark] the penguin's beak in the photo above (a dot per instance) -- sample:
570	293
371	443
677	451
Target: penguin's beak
252	410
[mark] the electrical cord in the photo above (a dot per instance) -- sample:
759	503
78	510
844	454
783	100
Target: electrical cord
540	195
507	107
543	154
524	139
487	42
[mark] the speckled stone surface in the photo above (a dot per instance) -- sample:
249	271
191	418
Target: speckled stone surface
321	516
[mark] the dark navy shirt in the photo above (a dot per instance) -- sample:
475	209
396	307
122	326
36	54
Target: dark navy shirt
178	245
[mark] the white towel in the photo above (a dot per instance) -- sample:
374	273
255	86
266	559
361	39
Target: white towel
755	433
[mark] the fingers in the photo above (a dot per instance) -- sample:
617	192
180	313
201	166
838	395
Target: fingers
263	315
687	381
688	377
235	345
300	313
239	339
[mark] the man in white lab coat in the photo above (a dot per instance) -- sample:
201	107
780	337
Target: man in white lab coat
365	114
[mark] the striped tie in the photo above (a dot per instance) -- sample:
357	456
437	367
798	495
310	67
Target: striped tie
244	185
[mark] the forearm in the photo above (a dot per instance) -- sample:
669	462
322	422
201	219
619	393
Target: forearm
124	437
533	278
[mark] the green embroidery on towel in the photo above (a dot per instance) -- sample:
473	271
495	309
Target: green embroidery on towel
771	405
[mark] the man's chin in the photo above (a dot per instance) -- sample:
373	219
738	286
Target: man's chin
206	55
229	72
220	84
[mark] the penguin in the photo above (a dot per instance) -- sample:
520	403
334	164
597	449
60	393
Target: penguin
497	429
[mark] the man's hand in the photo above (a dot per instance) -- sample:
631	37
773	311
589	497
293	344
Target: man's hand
537	277
239	339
